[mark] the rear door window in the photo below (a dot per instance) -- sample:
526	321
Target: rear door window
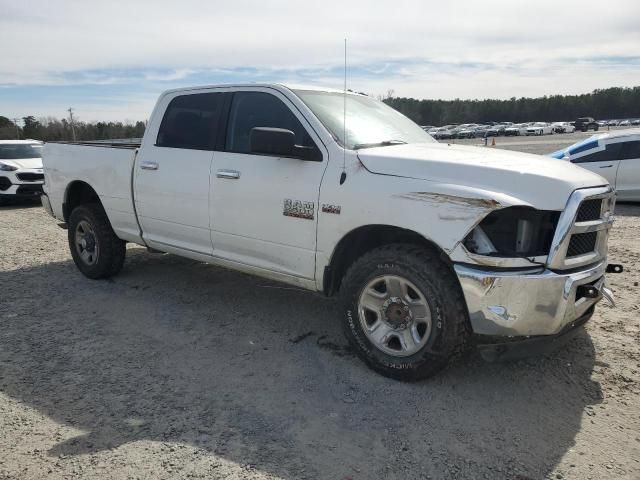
192	121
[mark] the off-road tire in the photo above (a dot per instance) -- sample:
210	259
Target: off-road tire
429	273
112	250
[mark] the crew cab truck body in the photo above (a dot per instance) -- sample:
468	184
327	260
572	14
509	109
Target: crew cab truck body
425	243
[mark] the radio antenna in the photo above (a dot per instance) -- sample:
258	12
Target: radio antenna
343	175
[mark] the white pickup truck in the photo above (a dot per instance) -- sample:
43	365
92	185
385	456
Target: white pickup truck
428	244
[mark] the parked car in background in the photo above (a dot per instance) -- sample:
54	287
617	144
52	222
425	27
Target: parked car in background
587	123
611	123
481	131
539	128
635	122
614	155
602	123
496	131
563	127
625	123
442	133
517	129
20	169
467	132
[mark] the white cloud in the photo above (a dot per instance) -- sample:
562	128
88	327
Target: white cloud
524	48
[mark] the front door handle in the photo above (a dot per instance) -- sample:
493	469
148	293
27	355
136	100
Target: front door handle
606	166
148	165
232	174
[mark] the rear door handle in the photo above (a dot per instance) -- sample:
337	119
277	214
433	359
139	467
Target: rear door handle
148	165
606	166
231	174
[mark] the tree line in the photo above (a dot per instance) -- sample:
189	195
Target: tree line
604	104
53	129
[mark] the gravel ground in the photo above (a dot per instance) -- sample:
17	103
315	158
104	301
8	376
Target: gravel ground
176	369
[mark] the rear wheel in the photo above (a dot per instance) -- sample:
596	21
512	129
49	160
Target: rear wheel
95	248
404	312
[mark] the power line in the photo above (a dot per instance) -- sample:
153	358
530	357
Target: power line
15	122
73	131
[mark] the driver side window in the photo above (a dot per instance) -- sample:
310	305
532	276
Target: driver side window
259	109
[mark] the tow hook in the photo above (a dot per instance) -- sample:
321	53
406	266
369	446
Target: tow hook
608	296
615	268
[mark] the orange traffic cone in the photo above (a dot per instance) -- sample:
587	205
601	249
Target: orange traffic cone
493	141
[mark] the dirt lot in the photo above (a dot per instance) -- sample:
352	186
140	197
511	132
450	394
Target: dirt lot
176	369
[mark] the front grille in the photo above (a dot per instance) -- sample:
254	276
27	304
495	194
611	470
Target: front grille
582	243
5	183
589	210
30	177
29	190
583	229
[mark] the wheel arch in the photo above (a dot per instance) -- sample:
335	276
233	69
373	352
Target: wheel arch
77	193
365	238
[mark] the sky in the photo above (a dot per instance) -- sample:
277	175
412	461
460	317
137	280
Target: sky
110	60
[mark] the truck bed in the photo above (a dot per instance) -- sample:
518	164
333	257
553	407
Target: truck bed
106	166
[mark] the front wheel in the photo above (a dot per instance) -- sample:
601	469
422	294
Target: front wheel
404	312
95	248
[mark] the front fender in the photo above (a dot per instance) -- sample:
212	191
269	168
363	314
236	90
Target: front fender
441	213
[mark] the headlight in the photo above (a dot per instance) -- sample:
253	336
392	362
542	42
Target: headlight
513	232
7	168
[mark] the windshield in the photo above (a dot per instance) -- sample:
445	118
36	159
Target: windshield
16	151
369	122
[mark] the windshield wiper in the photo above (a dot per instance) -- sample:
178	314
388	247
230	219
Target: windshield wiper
384	143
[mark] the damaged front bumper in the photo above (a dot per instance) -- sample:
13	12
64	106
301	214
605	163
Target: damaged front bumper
522	304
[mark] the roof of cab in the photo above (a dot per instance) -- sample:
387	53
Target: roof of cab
26	142
277	86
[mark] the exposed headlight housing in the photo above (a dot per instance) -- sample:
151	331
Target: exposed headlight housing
513	232
7	168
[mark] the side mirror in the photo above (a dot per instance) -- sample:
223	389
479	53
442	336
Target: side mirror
273	141
282	143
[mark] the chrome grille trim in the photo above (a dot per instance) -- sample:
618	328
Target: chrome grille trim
567	226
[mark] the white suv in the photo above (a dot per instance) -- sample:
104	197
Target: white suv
614	155
20	169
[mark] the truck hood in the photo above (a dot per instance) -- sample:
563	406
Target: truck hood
24	162
502	175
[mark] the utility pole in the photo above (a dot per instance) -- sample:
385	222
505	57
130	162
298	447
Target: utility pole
73	131
15	122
